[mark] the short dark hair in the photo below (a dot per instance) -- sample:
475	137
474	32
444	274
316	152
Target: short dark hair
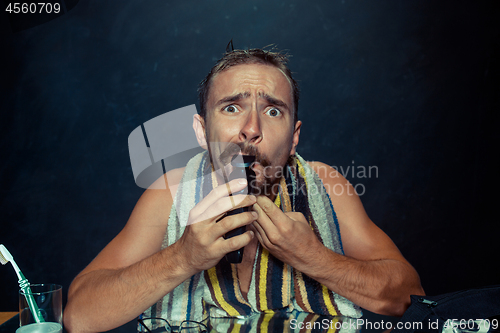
250	56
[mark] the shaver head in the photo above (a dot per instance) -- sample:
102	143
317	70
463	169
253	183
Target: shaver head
244	170
240	170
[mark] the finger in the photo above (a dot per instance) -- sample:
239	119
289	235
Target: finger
223	205
237	242
272	211
257	234
266	225
234	221
261	234
217	193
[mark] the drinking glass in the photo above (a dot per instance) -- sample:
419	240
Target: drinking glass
47	298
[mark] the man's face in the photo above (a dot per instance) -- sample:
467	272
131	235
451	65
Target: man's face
251	106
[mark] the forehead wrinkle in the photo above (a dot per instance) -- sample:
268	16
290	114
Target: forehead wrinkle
239	96
248	78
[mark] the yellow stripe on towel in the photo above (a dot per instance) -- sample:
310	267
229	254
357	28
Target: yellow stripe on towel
264	326
212	273
264	259
287	205
303	291
285	287
328	302
236	328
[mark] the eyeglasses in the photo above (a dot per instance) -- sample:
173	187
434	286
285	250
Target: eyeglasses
187	326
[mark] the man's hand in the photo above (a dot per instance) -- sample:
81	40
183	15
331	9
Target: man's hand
372	274
203	243
287	236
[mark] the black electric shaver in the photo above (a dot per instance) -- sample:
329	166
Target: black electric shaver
240	170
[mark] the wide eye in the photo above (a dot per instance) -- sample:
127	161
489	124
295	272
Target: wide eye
273	112
231	109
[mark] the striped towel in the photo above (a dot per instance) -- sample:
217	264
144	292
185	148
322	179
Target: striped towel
286	322
275	286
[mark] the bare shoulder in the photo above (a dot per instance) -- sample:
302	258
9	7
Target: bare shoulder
361	238
145	229
156	201
345	201
327	173
339	189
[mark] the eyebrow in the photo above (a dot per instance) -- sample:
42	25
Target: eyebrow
233	98
274	101
269	99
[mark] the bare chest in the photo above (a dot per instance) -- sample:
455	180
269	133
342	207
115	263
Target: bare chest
245	268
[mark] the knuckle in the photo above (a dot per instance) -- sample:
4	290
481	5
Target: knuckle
274	237
198	236
219	206
232	243
286	229
221	190
203	243
251	217
265	205
225	223
300	217
240	200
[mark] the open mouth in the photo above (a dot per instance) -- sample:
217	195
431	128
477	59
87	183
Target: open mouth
240	156
229	154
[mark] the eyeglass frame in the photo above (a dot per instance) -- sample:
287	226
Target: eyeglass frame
203	327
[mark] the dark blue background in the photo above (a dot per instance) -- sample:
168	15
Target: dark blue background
410	87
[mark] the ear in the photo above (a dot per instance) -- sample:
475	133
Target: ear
199	130
295	137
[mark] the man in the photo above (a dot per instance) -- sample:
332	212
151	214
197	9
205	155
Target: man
164	260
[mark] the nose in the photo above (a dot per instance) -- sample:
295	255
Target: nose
251	130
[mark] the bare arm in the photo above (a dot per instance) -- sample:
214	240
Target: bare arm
131	273
372	274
